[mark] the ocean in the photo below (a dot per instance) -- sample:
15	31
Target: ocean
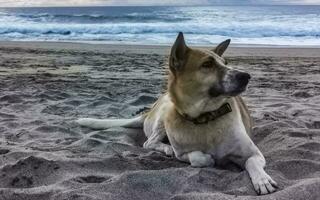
253	25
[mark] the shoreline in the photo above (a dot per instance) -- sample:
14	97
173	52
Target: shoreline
234	50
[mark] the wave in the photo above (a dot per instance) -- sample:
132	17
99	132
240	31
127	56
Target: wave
97	18
245	30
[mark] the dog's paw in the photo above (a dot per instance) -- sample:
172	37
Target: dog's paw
199	159
168	150
264	184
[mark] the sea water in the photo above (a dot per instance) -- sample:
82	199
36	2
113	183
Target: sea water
203	25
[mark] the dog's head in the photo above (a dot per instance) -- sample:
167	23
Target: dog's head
203	74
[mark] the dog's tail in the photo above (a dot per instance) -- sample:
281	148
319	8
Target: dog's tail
136	122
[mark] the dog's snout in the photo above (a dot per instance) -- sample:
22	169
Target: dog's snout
243	77
235	82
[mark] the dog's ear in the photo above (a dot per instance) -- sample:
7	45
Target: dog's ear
222	47
178	53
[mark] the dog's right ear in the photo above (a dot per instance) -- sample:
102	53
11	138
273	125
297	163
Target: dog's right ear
178	53
222	47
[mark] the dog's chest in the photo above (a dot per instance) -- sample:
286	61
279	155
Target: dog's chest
186	136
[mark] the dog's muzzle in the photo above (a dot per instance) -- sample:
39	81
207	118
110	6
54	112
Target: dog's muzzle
235	82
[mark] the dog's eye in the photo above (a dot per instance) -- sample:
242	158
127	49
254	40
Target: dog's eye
225	62
207	64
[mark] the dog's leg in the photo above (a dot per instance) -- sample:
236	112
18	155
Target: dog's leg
262	182
197	159
156	133
155	142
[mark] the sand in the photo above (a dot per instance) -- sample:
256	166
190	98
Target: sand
44	87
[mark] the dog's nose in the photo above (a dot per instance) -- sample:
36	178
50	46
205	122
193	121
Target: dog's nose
243	77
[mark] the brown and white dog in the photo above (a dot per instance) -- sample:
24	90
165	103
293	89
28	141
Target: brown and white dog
202	114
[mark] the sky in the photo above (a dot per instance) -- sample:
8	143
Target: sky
14	3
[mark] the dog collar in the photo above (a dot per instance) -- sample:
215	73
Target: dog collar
210	116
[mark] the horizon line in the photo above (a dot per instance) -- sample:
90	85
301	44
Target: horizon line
137	5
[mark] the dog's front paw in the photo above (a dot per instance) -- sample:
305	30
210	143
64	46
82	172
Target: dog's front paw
199	159
264	184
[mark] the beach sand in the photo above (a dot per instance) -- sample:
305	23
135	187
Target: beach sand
44	87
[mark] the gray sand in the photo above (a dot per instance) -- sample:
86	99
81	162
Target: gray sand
45	155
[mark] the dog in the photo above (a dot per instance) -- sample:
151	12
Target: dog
202	115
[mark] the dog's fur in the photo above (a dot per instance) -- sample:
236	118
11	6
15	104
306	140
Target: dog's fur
200	82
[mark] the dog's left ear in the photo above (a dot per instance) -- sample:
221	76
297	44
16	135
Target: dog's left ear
222	47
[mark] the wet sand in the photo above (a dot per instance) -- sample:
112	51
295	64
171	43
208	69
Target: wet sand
44	87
